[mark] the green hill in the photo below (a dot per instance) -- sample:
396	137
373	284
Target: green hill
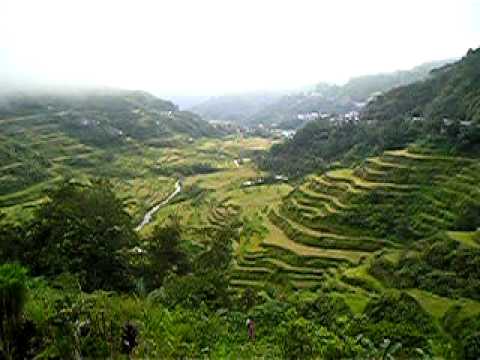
450	92
335	99
45	137
363	87
102	117
403	221
389	203
270	108
440	111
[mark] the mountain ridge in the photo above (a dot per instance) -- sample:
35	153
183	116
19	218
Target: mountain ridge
450	92
275	108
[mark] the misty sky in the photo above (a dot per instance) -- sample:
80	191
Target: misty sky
219	46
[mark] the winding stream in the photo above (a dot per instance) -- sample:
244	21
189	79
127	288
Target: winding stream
149	215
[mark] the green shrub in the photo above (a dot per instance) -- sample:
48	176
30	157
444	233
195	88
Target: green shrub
12	292
471	347
438	254
83	230
299	339
191	290
399	318
323	309
399	308
303	339
12	300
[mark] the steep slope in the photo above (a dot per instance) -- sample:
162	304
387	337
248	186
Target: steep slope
361	88
281	109
346	217
450	92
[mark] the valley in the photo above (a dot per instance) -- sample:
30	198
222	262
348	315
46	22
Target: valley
325	232
351	238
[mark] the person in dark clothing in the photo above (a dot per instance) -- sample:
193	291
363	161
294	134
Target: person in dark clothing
251	329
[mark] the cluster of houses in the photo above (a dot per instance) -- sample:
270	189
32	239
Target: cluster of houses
279	133
447	122
167	113
315	115
462	123
268	180
312	115
351	116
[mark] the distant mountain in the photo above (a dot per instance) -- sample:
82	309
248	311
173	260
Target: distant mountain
361	88
109	133
104	116
186	102
282	110
452	91
236	108
409	114
328	98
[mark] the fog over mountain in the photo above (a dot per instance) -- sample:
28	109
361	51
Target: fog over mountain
213	47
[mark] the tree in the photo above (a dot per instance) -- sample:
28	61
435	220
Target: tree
219	256
209	281
83	230
12	300
12	241
164	253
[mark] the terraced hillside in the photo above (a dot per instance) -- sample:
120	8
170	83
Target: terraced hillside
216	198
120	135
343	218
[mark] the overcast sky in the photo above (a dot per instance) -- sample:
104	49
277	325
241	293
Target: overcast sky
208	47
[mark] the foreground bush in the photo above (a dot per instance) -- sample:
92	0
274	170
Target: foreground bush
12	301
83	230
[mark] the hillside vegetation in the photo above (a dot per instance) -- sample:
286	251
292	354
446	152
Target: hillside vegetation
352	262
114	134
282	110
369	249
438	112
451	92
404	221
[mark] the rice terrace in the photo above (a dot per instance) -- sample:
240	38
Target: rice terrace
256	197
